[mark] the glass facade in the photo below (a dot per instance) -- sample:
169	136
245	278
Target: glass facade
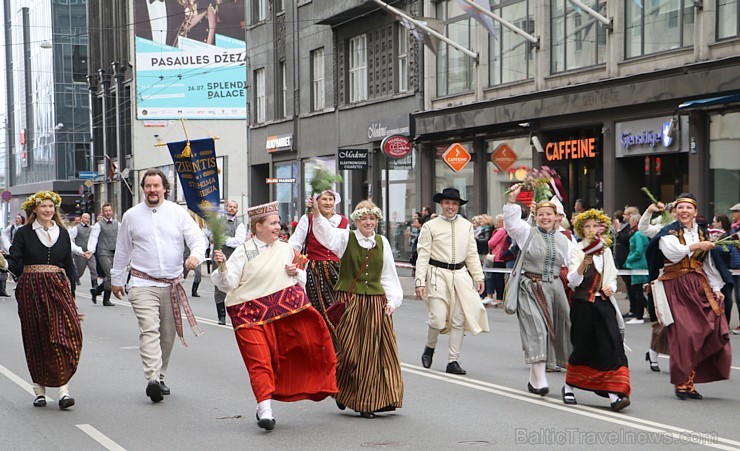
724	161
454	68
498	180
510	56
578	40
653	26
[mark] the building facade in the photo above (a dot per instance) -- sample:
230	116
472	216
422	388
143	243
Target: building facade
593	100
47	120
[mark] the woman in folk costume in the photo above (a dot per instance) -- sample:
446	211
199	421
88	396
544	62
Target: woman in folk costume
41	255
322	271
368	368
542	306
284	341
598	362
699	337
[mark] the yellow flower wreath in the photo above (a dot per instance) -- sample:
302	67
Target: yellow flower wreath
37	198
600	217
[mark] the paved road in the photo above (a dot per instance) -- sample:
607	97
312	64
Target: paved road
212	407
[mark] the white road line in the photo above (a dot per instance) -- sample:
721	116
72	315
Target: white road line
20	382
677	433
101	438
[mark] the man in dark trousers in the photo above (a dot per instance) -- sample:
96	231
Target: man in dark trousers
103	245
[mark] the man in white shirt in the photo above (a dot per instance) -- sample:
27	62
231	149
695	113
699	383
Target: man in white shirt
102	244
80	235
151	238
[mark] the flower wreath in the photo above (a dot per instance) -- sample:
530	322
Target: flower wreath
600	217
360	212
39	197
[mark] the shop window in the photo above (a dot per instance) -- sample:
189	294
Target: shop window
577	39
724	161
317	80
653	26
399	192
463	180
728	19
511	56
500	176
454	68
287	194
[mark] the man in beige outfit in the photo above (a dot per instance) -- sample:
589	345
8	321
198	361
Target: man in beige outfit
448	274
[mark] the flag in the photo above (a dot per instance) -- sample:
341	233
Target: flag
422	35
112	168
484	20
197	171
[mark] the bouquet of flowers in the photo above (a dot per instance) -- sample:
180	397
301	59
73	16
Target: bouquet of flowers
665	217
543	184
217	225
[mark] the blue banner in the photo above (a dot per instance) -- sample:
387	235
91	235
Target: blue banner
195	163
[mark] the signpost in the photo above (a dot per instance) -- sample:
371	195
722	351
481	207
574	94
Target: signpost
456	157
89	175
503	157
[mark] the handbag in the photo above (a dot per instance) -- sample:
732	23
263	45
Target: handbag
662	308
490	257
335	311
511	290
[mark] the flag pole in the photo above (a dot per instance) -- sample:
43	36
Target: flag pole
591	12
431	31
534	40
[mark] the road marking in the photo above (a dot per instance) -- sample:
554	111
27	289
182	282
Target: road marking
101	438
20	382
674	432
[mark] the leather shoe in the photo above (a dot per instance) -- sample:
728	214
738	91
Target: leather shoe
620	403
66	402
653	365
340	406
454	368
194	294
538	391
568	398
40	401
267	424
94	294
367	415
685	393
426	357
165	389
3	294
154	391
222	321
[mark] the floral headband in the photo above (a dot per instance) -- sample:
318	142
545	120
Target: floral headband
360	212
35	199
600	217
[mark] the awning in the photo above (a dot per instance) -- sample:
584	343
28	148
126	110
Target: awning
709	102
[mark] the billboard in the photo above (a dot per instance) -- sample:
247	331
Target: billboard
190	59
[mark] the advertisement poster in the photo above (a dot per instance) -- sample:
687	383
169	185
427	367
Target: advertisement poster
190	59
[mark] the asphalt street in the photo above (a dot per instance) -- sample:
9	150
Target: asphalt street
212	407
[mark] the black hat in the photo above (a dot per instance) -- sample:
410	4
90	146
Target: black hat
451	194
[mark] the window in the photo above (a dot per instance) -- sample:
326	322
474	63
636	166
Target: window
280	5
282	91
728	19
317	80
259	11
511	56
657	25
259	90
403	59
358	69
724	160
454	68
577	39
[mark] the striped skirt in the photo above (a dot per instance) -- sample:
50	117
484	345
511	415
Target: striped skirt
52	336
368	368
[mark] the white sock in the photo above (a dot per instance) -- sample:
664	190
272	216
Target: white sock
653	355
568	388
264	409
39	390
63	391
537	376
613	397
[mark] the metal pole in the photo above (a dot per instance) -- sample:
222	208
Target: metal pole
607	22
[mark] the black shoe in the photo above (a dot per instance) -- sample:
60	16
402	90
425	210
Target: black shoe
94	294
367	415
426	357
222	320
454	368
620	403
685	393
106	299
40	401
267	424
154	391
653	365
79	282
66	402
194	294
538	391
340	406
568	398
628	315
165	389
3	294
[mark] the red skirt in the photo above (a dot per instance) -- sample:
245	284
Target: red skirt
290	359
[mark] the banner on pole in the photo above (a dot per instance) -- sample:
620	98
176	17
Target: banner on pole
195	164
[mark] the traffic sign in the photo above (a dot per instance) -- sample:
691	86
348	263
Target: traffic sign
88	174
456	157
88	183
6	196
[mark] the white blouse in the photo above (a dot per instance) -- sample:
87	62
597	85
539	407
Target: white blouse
674	251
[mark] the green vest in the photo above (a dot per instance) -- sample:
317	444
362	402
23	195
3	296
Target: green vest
354	257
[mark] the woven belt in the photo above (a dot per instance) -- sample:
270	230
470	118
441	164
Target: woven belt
452	266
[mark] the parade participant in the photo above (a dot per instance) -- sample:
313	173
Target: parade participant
283	340
448	270
699	337
80	235
368	368
237	236
151	239
41	256
102	244
598	362
541	307
323	265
